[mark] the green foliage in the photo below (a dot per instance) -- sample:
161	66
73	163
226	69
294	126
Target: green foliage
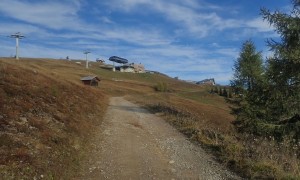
268	100
248	84
161	87
222	91
248	69
283	69
230	93
225	93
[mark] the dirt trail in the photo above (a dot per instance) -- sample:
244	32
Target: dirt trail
135	144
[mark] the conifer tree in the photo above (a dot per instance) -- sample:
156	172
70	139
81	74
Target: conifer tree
283	69
248	85
248	69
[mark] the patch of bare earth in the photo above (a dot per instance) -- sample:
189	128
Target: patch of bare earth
135	144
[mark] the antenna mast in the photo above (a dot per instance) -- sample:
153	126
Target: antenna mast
17	36
86	58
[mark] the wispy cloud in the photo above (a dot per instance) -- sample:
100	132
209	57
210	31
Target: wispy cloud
184	61
198	19
106	20
51	14
260	25
8	28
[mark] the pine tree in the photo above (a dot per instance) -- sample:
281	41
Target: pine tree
283	69
248	85
248	69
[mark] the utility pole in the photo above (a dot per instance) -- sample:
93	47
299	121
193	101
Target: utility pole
17	36
86	58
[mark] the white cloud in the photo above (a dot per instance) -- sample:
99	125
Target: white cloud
136	36
260	25
196	18
187	62
8	28
51	14
229	52
189	15
36	51
106	20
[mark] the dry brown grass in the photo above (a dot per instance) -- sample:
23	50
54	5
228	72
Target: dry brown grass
61	114
46	117
60	111
267	158
206	118
249	156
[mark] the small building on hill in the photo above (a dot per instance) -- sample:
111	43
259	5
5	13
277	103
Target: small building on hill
138	68
90	80
125	68
132	68
207	81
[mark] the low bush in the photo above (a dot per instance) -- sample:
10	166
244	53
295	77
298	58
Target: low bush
162	87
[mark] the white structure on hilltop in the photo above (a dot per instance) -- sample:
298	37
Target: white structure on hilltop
132	67
210	81
17	36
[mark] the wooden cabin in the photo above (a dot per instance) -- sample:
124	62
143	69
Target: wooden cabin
90	80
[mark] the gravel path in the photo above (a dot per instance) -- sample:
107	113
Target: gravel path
135	144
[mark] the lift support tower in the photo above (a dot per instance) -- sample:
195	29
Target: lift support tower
17	36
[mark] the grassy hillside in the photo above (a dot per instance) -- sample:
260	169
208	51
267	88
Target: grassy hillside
47	117
206	118
46	114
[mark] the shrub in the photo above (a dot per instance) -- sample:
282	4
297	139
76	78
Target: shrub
162	87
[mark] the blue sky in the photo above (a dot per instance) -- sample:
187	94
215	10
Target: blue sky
191	39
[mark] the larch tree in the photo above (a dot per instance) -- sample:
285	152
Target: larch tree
248	69
247	84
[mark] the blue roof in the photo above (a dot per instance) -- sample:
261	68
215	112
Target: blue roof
118	59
